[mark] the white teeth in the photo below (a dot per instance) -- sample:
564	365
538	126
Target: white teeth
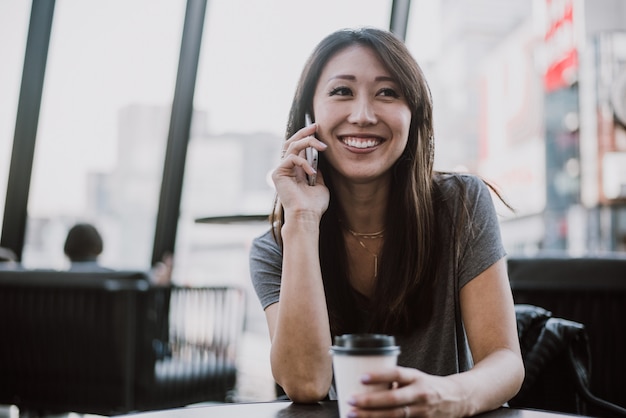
360	143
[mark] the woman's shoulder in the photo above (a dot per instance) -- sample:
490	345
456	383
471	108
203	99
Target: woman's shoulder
266	243
455	183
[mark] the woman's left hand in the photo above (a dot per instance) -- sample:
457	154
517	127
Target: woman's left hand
412	393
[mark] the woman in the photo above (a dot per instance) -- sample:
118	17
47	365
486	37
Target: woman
382	243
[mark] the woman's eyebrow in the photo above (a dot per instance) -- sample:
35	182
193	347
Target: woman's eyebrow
342	77
352	77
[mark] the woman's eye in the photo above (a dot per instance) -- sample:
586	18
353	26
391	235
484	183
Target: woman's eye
340	91
388	92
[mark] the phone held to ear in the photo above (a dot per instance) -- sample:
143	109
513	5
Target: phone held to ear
311	155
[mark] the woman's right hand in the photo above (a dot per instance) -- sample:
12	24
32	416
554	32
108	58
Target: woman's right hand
290	180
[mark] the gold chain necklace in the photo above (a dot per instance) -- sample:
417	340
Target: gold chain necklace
373	235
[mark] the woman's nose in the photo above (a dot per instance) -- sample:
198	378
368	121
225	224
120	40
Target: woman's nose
362	113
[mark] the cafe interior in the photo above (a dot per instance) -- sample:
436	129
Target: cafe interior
159	122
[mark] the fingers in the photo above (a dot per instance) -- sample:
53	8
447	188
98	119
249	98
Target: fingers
411	393
287	165
385	399
404	384
300	140
402	375
400	402
293	163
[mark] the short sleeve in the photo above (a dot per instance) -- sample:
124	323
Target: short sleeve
266	268
481	243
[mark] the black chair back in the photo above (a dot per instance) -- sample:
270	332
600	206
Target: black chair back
69	340
109	343
590	291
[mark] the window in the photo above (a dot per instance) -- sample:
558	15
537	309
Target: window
103	126
14	18
251	58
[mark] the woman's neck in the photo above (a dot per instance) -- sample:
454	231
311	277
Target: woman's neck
364	205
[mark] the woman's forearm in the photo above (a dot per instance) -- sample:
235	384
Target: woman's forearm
300	357
490	383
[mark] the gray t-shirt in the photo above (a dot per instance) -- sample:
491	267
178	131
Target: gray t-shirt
441	348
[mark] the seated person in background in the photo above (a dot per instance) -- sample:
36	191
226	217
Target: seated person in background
83	246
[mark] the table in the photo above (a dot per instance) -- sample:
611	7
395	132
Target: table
286	409
234	219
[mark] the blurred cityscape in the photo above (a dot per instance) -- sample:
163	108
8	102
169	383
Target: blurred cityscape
527	95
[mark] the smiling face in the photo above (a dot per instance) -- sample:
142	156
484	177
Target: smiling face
361	114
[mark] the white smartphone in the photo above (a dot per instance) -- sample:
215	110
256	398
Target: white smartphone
311	155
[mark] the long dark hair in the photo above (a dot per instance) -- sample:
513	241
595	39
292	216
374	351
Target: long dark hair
410	254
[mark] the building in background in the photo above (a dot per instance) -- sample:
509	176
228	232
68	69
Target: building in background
471	29
224	174
604	191
540	118
511	140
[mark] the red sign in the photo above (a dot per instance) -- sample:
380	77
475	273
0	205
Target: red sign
560	44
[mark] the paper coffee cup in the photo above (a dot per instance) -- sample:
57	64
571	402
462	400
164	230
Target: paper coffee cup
355	355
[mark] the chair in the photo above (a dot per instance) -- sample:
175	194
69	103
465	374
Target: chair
587	290
109	343
199	354
557	364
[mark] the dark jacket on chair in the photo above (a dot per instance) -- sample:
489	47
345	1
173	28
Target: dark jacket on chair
558	364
